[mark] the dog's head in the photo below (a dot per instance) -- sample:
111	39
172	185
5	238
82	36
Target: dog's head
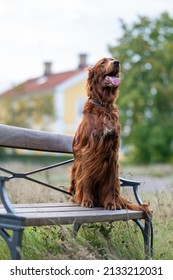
103	80
106	72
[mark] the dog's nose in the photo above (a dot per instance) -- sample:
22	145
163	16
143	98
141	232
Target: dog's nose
116	63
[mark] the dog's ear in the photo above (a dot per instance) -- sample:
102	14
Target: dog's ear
90	80
91	74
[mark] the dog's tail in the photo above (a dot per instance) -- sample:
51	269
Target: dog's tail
126	204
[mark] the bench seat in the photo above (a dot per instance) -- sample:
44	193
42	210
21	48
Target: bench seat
69	213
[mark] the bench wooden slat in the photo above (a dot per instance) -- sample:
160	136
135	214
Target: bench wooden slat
45	205
38	219
46	209
54	214
29	139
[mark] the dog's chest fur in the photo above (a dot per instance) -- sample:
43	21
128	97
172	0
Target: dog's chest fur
107	126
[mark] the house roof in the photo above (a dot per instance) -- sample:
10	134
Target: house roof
42	83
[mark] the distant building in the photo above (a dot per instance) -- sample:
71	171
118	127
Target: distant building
52	102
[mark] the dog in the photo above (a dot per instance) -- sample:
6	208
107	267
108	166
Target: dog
95	173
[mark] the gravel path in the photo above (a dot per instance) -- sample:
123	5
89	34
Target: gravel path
155	184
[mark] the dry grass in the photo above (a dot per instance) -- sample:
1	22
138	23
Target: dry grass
24	191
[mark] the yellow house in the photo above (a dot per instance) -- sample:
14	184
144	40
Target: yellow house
68	103
52	102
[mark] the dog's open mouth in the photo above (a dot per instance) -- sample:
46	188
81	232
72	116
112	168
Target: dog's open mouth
112	79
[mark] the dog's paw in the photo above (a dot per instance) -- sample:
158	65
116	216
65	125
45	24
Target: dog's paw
118	206
87	203
110	206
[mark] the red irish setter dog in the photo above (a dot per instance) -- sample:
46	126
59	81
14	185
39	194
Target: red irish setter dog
95	173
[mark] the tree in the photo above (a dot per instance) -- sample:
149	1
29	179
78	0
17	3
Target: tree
29	112
145	51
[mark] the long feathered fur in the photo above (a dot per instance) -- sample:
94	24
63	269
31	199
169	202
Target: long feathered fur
95	173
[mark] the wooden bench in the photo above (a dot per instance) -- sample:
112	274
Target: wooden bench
19	216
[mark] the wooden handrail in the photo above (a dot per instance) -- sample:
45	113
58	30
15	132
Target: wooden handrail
30	139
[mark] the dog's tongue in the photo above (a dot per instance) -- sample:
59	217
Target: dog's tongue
113	80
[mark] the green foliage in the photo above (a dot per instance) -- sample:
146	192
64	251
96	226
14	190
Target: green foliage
2	152
28	111
145	51
114	240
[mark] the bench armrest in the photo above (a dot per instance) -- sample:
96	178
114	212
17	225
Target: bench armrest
4	196
134	185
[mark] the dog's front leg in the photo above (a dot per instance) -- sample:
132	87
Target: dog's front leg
109	191
109	201
107	196
87	200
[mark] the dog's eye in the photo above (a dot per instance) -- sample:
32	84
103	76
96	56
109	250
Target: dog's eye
103	62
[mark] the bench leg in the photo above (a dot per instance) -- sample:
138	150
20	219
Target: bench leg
148	239
16	245
76	228
14	242
147	232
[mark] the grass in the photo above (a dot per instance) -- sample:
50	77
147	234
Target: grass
116	240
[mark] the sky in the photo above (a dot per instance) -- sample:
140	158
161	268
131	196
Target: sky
35	31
